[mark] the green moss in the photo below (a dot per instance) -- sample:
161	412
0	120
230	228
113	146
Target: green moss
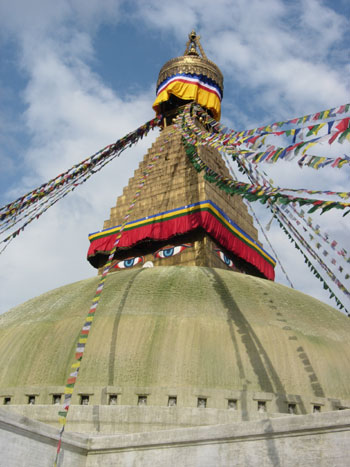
180	327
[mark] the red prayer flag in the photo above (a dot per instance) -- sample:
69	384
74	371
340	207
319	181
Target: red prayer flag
343	124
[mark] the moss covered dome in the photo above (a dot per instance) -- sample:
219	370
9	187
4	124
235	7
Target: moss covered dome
187	333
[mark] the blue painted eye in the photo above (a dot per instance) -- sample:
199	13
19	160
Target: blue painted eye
129	262
168	252
171	251
225	258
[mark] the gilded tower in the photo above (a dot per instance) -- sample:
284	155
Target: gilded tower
212	228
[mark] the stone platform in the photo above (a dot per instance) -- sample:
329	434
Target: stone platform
315	440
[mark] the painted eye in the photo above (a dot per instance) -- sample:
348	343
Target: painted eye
171	251
129	262
225	259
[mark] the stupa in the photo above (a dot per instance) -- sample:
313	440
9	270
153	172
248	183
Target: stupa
193	340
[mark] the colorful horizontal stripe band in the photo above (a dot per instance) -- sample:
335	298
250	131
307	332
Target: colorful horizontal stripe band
190	88
167	224
200	80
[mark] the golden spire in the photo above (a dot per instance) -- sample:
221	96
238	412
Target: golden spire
192	44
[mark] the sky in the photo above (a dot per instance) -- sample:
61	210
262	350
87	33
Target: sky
77	75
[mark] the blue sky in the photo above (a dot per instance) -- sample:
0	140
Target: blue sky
77	75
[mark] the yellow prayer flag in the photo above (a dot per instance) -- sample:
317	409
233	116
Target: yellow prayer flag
321	125
307	147
322	159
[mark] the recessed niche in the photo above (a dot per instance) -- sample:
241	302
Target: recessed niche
84	399
142	400
113	399
201	402
31	399
292	408
261	406
316	408
7	400
56	399
172	401
232	404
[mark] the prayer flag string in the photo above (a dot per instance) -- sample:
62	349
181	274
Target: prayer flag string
273	197
262	177
272	128
250	207
325	237
32	205
296	237
193	121
322	115
257	192
324	251
84	333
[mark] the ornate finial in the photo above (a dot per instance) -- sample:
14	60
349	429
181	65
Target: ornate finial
194	67
192	44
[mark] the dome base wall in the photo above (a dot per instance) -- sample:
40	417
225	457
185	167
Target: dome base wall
319	440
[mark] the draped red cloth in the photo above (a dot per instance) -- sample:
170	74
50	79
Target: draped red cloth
205	215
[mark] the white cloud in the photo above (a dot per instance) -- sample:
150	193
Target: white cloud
43	19
70	114
323	25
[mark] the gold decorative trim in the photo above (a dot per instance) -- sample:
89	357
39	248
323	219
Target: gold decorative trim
192	62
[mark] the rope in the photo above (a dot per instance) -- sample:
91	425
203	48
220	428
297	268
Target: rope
261	175
250	207
230	187
223	138
32	205
291	231
253	192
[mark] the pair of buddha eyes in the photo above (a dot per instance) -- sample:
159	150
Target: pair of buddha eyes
162	253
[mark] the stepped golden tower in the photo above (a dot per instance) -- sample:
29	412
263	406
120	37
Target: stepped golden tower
217	226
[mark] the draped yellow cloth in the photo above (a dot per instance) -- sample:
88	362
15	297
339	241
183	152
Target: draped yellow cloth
190	89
